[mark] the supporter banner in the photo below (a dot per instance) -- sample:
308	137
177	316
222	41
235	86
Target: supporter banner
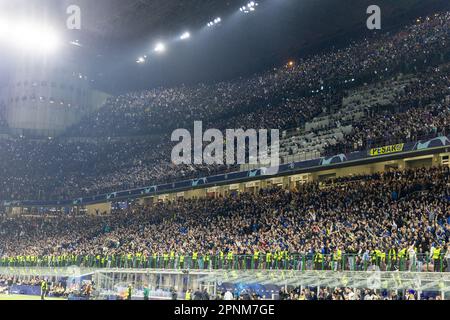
387	149
234	177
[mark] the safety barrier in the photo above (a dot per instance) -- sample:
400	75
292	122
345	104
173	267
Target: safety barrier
261	261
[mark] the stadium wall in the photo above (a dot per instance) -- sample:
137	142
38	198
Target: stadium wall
43	99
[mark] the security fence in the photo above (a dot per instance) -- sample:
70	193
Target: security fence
269	261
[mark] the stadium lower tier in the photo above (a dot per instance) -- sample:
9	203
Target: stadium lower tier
396	219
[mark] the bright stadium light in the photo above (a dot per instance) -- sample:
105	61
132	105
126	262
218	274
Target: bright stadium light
160	47
214	22
250	7
185	36
30	37
140	60
48	42
3	28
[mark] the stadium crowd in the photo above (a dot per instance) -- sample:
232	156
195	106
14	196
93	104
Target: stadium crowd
126	144
159	110
422	110
351	294
397	220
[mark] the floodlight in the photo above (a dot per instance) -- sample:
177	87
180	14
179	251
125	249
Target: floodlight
160	47
185	36
3	28
33	37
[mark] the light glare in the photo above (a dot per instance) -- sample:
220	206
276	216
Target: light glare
29	36
160	47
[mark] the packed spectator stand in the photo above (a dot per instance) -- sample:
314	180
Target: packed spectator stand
396	220
392	88
126	144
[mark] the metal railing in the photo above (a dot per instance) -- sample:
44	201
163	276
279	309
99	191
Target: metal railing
301	262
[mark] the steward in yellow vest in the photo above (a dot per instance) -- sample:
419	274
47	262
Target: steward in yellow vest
268	257
182	261
230	256
437	259
318	260
337	255
392	255
44	287
256	259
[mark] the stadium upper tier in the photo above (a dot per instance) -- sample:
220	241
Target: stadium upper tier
397	219
332	101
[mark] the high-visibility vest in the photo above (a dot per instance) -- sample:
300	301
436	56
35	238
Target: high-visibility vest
172	255
392	254
379	254
318	257
207	257
337	255
230	255
402	253
268	257
256	255
188	295
374	255
194	256
221	255
436	253
165	256
181	258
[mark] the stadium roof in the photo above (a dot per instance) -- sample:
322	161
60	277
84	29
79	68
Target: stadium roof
124	19
115	33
